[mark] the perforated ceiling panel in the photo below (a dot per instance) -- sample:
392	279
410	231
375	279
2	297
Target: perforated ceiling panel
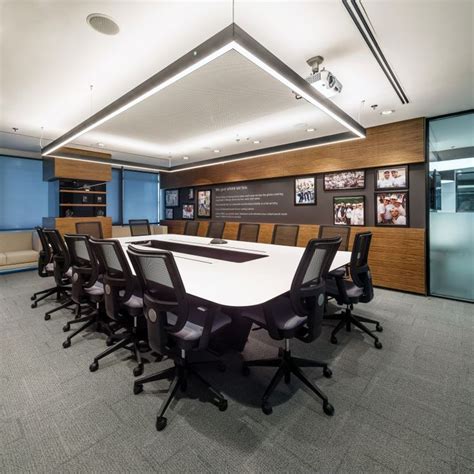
226	105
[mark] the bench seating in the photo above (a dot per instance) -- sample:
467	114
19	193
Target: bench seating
18	249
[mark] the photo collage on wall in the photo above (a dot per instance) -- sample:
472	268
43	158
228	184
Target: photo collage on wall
173	208
390	197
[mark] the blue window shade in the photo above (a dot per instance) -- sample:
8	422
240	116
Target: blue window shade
114	196
23	193
141	195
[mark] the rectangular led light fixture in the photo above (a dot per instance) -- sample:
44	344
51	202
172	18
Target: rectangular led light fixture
230	38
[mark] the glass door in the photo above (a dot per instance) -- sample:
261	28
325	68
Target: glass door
451	206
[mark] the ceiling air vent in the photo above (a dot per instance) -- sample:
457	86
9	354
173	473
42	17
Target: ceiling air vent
103	24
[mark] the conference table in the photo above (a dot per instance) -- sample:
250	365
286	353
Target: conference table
231	275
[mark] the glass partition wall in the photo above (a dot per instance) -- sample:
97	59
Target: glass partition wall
451	206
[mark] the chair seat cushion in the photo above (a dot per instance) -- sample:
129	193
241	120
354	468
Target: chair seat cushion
192	330
353	291
68	273
21	256
50	268
134	302
283	315
96	290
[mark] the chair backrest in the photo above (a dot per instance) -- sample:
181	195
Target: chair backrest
163	291
139	227
343	231
360	271
119	282
191	228
85	268
285	234
45	255
92	229
248	232
215	230
307	293
60	254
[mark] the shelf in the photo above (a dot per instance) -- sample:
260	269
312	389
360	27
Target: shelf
73	191
83	205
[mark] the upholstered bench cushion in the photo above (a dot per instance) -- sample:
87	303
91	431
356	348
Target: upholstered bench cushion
21	256
3	259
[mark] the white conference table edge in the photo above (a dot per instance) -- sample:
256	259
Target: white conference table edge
234	284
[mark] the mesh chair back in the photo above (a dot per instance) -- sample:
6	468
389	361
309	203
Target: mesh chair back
139	227
248	232
60	253
329	231
307	293
191	228
215	230
163	291
284	234
119	283
45	256
360	271
92	229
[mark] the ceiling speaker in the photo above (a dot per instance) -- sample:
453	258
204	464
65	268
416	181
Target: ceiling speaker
103	24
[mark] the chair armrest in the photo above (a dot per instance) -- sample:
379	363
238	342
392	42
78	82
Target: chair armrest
209	312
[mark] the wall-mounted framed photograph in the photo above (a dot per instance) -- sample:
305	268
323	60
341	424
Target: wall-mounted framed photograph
204	203
188	211
344	180
394	177
169	213
305	190
391	208
190	194
349	210
172	198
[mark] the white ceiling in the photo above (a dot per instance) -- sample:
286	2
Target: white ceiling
50	57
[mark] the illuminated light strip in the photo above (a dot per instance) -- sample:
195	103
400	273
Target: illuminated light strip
262	65
147	94
161	170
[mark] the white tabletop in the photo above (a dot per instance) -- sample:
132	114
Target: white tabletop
237	284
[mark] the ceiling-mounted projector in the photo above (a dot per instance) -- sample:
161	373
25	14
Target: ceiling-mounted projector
323	81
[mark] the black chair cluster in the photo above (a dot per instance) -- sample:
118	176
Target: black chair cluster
137	299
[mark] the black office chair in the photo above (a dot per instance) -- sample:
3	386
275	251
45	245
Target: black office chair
359	290
177	324
191	228
139	227
45	269
297	314
215	230
87	290
248	232
91	229
123	302
329	231
285	234
62	269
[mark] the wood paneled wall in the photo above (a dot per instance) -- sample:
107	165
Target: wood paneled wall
385	145
397	256
67	225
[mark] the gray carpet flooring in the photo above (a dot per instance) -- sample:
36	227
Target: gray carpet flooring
405	408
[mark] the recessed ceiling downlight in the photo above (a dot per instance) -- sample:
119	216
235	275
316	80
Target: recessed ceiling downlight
102	23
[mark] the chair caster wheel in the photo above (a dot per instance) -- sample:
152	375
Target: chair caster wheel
94	366
66	344
221	367
245	371
378	345
379	328
66	327
137	388
47	317
33	298
34	305
222	405
328	409
109	342
327	372
333	340
161	423
266	408
138	370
